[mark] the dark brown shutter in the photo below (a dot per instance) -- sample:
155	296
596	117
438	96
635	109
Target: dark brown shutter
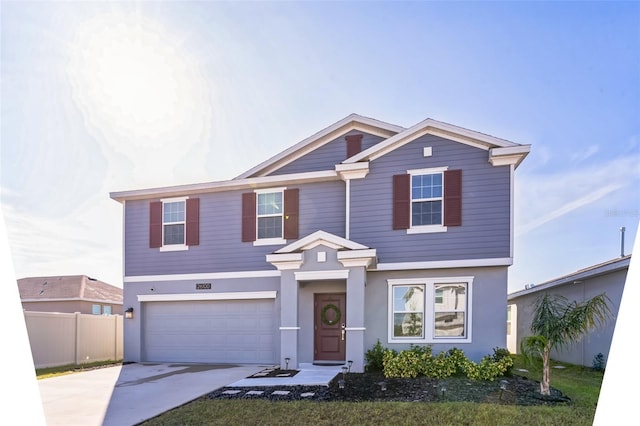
354	145
291	208
401	201
193	222
155	224
453	198
248	216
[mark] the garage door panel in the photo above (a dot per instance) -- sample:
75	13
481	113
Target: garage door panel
210	331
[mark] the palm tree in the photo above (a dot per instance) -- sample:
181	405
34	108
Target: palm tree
557	323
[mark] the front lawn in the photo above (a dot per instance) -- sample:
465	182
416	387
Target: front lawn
582	385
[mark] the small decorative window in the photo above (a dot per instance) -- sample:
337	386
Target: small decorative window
430	310
106	310
96	309
270	217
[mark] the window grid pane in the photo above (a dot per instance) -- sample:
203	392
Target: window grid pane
270	203
408	307
270	227
426	213
174	212
174	234
450	306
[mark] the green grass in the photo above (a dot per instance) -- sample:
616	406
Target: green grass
582	385
45	373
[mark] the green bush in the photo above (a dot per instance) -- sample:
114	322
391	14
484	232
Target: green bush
502	354
407	363
374	357
419	361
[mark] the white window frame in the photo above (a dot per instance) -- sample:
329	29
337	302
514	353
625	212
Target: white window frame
269	241
429	309
423	229
106	308
95	311
175	247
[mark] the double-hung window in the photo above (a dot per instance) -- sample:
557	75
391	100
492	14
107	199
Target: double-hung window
269	215
427	200
173	222
430	310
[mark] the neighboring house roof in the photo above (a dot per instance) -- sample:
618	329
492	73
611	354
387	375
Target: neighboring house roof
582	274
71	287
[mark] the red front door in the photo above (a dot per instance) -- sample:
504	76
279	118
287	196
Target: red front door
330	319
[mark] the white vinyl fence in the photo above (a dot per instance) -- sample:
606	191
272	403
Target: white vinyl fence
62	339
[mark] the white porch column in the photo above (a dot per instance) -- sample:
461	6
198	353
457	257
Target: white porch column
288	321
355	318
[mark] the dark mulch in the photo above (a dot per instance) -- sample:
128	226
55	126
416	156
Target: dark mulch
369	387
273	372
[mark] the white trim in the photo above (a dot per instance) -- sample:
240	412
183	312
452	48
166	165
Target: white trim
512	155
341	274
334	131
289	328
426	229
429	171
227	185
174	247
347	222
438	264
269	241
355	328
429	313
324	238
427	151
203	276
124	233
352	171
511	208
433	127
356	258
270	190
284	257
174	199
175	297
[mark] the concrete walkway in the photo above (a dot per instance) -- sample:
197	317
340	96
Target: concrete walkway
309	375
129	394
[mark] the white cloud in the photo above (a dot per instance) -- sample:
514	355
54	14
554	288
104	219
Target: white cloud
580	156
543	198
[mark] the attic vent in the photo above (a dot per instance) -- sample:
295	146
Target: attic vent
91	279
354	144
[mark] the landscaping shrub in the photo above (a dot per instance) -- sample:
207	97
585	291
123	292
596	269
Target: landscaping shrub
598	362
487	369
374	357
500	354
408	363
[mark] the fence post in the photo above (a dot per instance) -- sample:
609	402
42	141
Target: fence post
77	351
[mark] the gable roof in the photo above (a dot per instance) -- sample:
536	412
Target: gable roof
69	287
498	148
324	136
321	238
582	274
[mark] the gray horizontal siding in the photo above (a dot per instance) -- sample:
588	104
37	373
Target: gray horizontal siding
485	230
322	206
327	156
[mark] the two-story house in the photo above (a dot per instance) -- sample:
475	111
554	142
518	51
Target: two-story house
364	231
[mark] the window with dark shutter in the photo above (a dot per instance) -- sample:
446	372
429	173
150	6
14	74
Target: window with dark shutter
453	198
354	145
193	222
291	206
155	224
401	201
249	217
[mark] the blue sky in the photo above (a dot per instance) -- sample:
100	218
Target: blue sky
100	97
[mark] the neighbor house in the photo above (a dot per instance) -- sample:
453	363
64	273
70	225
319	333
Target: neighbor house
71	293
364	231
608	277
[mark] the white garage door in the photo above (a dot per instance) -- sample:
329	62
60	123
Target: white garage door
220	331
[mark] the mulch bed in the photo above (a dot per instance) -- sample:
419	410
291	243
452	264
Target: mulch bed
360	387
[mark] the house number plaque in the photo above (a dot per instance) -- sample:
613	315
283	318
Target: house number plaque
203	286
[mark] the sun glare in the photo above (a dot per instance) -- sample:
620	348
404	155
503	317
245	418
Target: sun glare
131	78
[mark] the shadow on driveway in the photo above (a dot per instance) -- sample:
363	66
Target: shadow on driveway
129	394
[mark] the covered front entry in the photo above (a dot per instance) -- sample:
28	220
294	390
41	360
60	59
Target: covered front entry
330	319
322	282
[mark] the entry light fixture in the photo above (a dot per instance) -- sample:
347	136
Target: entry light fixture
286	363
128	314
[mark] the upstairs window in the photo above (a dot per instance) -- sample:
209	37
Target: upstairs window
270	216
427	200
174	223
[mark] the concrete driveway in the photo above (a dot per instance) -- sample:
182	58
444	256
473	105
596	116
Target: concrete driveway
129	394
